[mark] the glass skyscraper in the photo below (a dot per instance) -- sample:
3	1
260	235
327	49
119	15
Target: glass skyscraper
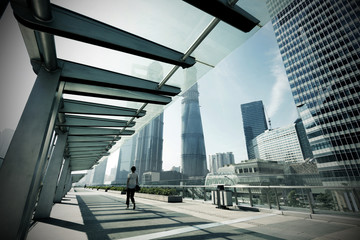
254	123
319	43
193	154
149	146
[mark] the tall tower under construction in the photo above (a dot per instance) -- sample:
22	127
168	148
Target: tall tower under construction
193	155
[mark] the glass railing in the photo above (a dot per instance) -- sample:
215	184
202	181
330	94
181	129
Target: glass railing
310	199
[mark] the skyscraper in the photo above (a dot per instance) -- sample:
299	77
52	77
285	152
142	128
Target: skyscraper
193	155
148	143
254	123
148	154
285	144
125	160
319	43
99	173
219	160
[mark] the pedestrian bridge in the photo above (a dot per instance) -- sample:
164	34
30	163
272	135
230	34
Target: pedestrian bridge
92	214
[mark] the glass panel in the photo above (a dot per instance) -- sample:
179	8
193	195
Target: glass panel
174	24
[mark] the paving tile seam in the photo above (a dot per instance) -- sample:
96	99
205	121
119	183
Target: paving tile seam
186	210
194	228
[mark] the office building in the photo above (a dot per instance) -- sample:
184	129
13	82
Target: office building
319	43
286	144
257	172
219	160
99	173
252	172
254	123
149	144
193	155
125	160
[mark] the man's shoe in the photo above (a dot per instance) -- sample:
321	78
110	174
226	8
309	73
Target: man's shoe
127	206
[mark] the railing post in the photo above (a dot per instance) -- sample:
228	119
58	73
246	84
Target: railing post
277	199
236	197
193	193
250	198
205	194
309	194
268	197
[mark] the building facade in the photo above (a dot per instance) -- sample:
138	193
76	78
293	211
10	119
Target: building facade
219	160
99	173
319	43
193	154
254	123
286	144
149	145
257	172
125	160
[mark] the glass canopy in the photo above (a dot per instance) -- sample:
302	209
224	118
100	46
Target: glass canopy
97	107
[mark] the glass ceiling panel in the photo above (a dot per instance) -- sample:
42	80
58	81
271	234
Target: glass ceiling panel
174	24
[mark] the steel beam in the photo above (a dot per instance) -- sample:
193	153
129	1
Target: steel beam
87	131
88	144
80	107
69	24
47	193
113	93
60	185
79	73
73	139
82	121
227	12
3	6
86	149
23	166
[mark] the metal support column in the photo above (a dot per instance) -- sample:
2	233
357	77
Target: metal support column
47	194
24	163
236	197
309	195
277	199
61	183
250	198
268	197
67	185
205	194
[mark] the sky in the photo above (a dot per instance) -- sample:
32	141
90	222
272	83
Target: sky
252	72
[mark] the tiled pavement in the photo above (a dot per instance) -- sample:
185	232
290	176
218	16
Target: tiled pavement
87	214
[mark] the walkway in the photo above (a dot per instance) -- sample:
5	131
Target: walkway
87	214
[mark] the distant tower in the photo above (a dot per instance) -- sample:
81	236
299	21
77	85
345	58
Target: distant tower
149	144
254	122
126	160
148	156
219	160
193	155
99	173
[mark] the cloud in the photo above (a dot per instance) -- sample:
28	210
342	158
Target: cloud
281	85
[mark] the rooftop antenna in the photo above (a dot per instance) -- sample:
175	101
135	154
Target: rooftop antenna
267	115
269	124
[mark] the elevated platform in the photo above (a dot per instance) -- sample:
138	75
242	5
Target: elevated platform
87	214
